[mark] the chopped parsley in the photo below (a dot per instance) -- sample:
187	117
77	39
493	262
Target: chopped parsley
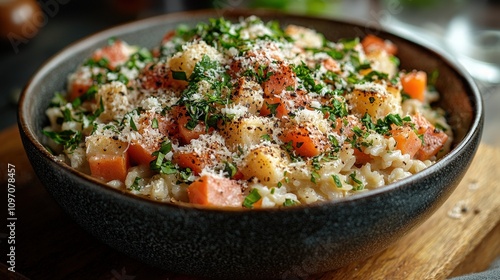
184	176
273	108
204	109
383	126
154	123
70	139
132	124
337	181
67	116
305	76
87	96
230	169
135	185
58	100
374	76
315	177
101	63
266	137
139	59
336	109
433	77
161	164
288	147
349	43
251	198
289	202
179	75
98	111
358	183
261	75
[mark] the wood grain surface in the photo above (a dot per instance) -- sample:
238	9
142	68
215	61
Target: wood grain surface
461	237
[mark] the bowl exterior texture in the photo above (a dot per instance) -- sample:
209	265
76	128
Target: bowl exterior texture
279	243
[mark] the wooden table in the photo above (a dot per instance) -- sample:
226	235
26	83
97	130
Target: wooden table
463	236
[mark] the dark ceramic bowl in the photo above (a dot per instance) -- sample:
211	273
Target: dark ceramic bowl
263	243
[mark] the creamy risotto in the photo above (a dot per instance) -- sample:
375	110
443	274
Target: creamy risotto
247	114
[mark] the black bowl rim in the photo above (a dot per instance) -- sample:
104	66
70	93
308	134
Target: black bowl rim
82	44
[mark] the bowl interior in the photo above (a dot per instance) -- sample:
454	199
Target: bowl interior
309	238
459	96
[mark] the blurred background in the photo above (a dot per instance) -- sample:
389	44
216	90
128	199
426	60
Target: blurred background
32	31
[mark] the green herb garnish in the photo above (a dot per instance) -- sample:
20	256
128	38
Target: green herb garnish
251	198
68	138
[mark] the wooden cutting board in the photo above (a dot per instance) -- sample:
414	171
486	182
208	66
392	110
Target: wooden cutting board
463	236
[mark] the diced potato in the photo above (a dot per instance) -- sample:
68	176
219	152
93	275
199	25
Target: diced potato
108	159
266	163
103	145
186	60
374	99
381	61
114	100
249	94
245	132
304	37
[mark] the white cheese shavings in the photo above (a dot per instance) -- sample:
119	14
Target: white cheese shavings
235	111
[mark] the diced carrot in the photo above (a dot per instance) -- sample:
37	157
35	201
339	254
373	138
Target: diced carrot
141	153
167	125
190	160
109	167
344	126
215	191
280	107
372	43
361	157
107	157
433	143
279	111
331	65
141	149
186	134
415	84
159	76
257	204
115	53
407	140
433	139
305	141
280	80
235	69
78	88
238	176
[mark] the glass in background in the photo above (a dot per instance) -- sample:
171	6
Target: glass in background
468	30
474	36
